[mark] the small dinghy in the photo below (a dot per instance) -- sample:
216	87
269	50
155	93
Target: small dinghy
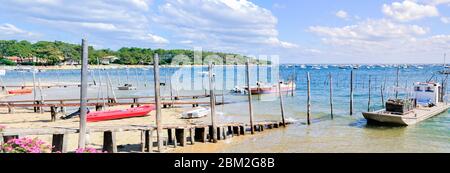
126	87
20	91
196	113
119	114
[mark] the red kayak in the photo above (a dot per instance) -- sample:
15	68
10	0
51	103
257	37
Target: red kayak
20	91
119	114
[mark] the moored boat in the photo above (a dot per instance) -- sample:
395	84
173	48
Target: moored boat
119	114
427	103
262	88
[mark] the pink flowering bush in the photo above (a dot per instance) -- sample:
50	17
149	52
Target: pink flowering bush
25	145
2	127
87	150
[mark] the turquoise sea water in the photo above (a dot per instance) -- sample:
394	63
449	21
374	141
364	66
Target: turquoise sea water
343	134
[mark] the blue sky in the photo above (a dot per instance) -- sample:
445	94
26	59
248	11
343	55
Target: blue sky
298	31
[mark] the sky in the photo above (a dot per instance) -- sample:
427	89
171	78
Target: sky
297	31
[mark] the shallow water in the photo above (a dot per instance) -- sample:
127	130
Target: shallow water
344	133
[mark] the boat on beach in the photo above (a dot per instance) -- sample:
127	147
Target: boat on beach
427	103
196	113
126	87
21	91
119	114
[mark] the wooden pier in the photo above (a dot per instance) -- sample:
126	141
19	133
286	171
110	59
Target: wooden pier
176	135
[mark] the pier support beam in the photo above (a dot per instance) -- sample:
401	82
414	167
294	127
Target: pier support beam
59	143
109	142
180	136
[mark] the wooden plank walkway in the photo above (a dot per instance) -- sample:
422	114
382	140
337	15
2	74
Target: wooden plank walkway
177	134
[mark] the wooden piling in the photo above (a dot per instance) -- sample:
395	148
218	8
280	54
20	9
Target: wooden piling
212	100
351	92
59	143
308	106
281	103
83	95
331	95
249	93
53	113
157	101
396	83
41	109
180	136
368	102
109	142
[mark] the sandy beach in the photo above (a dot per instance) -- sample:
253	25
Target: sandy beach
127	141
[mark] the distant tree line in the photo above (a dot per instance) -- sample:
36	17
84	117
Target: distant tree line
58	52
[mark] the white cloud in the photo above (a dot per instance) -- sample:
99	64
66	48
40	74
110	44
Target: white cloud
371	30
409	10
10	31
279	6
342	14
154	39
105	21
375	41
230	25
445	20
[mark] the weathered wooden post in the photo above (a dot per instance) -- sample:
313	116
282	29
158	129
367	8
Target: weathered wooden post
212	103
351	93
331	96
308	106
34	88
83	94
157	101
294	78
281	103
41	109
396	85
249	93
368	102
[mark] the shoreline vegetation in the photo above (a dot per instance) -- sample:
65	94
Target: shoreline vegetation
47	53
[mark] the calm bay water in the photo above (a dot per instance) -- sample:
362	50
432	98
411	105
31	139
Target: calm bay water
343	134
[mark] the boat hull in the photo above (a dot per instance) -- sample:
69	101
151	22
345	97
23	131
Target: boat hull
413	117
270	90
119	114
20	91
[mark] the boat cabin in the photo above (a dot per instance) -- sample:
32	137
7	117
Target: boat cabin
427	93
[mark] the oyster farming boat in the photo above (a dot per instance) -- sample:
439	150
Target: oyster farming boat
428	102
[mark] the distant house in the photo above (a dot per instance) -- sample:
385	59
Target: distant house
108	60
19	60
70	61
15	59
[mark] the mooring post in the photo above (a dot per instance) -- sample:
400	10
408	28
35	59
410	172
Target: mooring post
249	93
34	87
157	101
368	102
212	102
308	106
53	113
351	92
281	103
331	95
41	109
83	95
396	83
294	78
